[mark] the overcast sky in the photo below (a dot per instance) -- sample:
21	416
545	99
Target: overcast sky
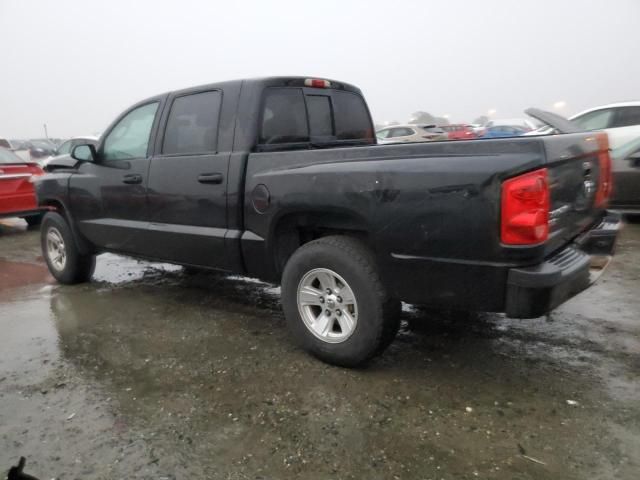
75	64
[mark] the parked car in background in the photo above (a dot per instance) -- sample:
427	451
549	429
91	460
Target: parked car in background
501	131
620	120
40	149
477	129
66	147
18	144
626	177
5	143
459	132
410	133
17	195
523	123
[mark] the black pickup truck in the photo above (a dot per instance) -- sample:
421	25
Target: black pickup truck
281	179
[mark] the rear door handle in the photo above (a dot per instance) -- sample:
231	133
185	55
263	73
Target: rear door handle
132	179
210	178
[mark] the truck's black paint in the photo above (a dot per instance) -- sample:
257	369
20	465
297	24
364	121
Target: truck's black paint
429	211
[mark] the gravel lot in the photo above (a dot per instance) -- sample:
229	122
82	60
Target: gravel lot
147	372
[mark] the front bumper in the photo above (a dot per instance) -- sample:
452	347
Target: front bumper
535	291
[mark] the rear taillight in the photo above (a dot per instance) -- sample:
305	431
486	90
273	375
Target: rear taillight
525	209
605	179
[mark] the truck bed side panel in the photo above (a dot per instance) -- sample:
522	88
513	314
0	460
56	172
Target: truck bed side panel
436	203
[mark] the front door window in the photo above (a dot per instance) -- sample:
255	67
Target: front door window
130	137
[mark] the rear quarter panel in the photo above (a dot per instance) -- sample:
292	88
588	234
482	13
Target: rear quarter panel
438	202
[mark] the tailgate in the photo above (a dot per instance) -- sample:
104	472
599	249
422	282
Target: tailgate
578	168
16	190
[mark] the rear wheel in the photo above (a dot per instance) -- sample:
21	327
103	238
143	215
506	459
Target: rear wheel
59	249
335	303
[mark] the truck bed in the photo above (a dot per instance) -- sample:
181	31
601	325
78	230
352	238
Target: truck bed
430	210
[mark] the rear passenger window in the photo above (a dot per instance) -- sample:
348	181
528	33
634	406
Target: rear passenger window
192	126
351	117
284	118
627	116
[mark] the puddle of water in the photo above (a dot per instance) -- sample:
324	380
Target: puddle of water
20	274
29	338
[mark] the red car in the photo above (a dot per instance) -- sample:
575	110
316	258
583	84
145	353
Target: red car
459	132
17	196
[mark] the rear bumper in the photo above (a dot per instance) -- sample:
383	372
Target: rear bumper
534	291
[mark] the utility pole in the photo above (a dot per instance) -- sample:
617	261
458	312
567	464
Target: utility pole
46	134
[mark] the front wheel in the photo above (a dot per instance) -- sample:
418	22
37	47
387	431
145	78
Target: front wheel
59	249
335	303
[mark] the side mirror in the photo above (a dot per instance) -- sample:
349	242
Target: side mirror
84	153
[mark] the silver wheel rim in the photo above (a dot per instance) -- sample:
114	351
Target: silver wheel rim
56	251
327	305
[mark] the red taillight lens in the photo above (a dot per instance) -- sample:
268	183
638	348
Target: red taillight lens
525	209
605	178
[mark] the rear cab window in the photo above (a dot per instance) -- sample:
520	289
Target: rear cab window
313	118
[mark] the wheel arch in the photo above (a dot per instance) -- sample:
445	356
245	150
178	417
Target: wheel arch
57	205
293	229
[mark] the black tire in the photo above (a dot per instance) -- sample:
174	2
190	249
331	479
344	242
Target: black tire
378	315
33	220
77	268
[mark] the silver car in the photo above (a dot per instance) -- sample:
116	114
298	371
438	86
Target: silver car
410	133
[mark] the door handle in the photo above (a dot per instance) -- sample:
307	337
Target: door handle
132	179
210	178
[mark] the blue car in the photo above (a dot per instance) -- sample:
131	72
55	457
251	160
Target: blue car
500	131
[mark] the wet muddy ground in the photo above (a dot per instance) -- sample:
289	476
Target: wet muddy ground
147	372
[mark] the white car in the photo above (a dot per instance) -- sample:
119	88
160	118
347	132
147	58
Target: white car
621	121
